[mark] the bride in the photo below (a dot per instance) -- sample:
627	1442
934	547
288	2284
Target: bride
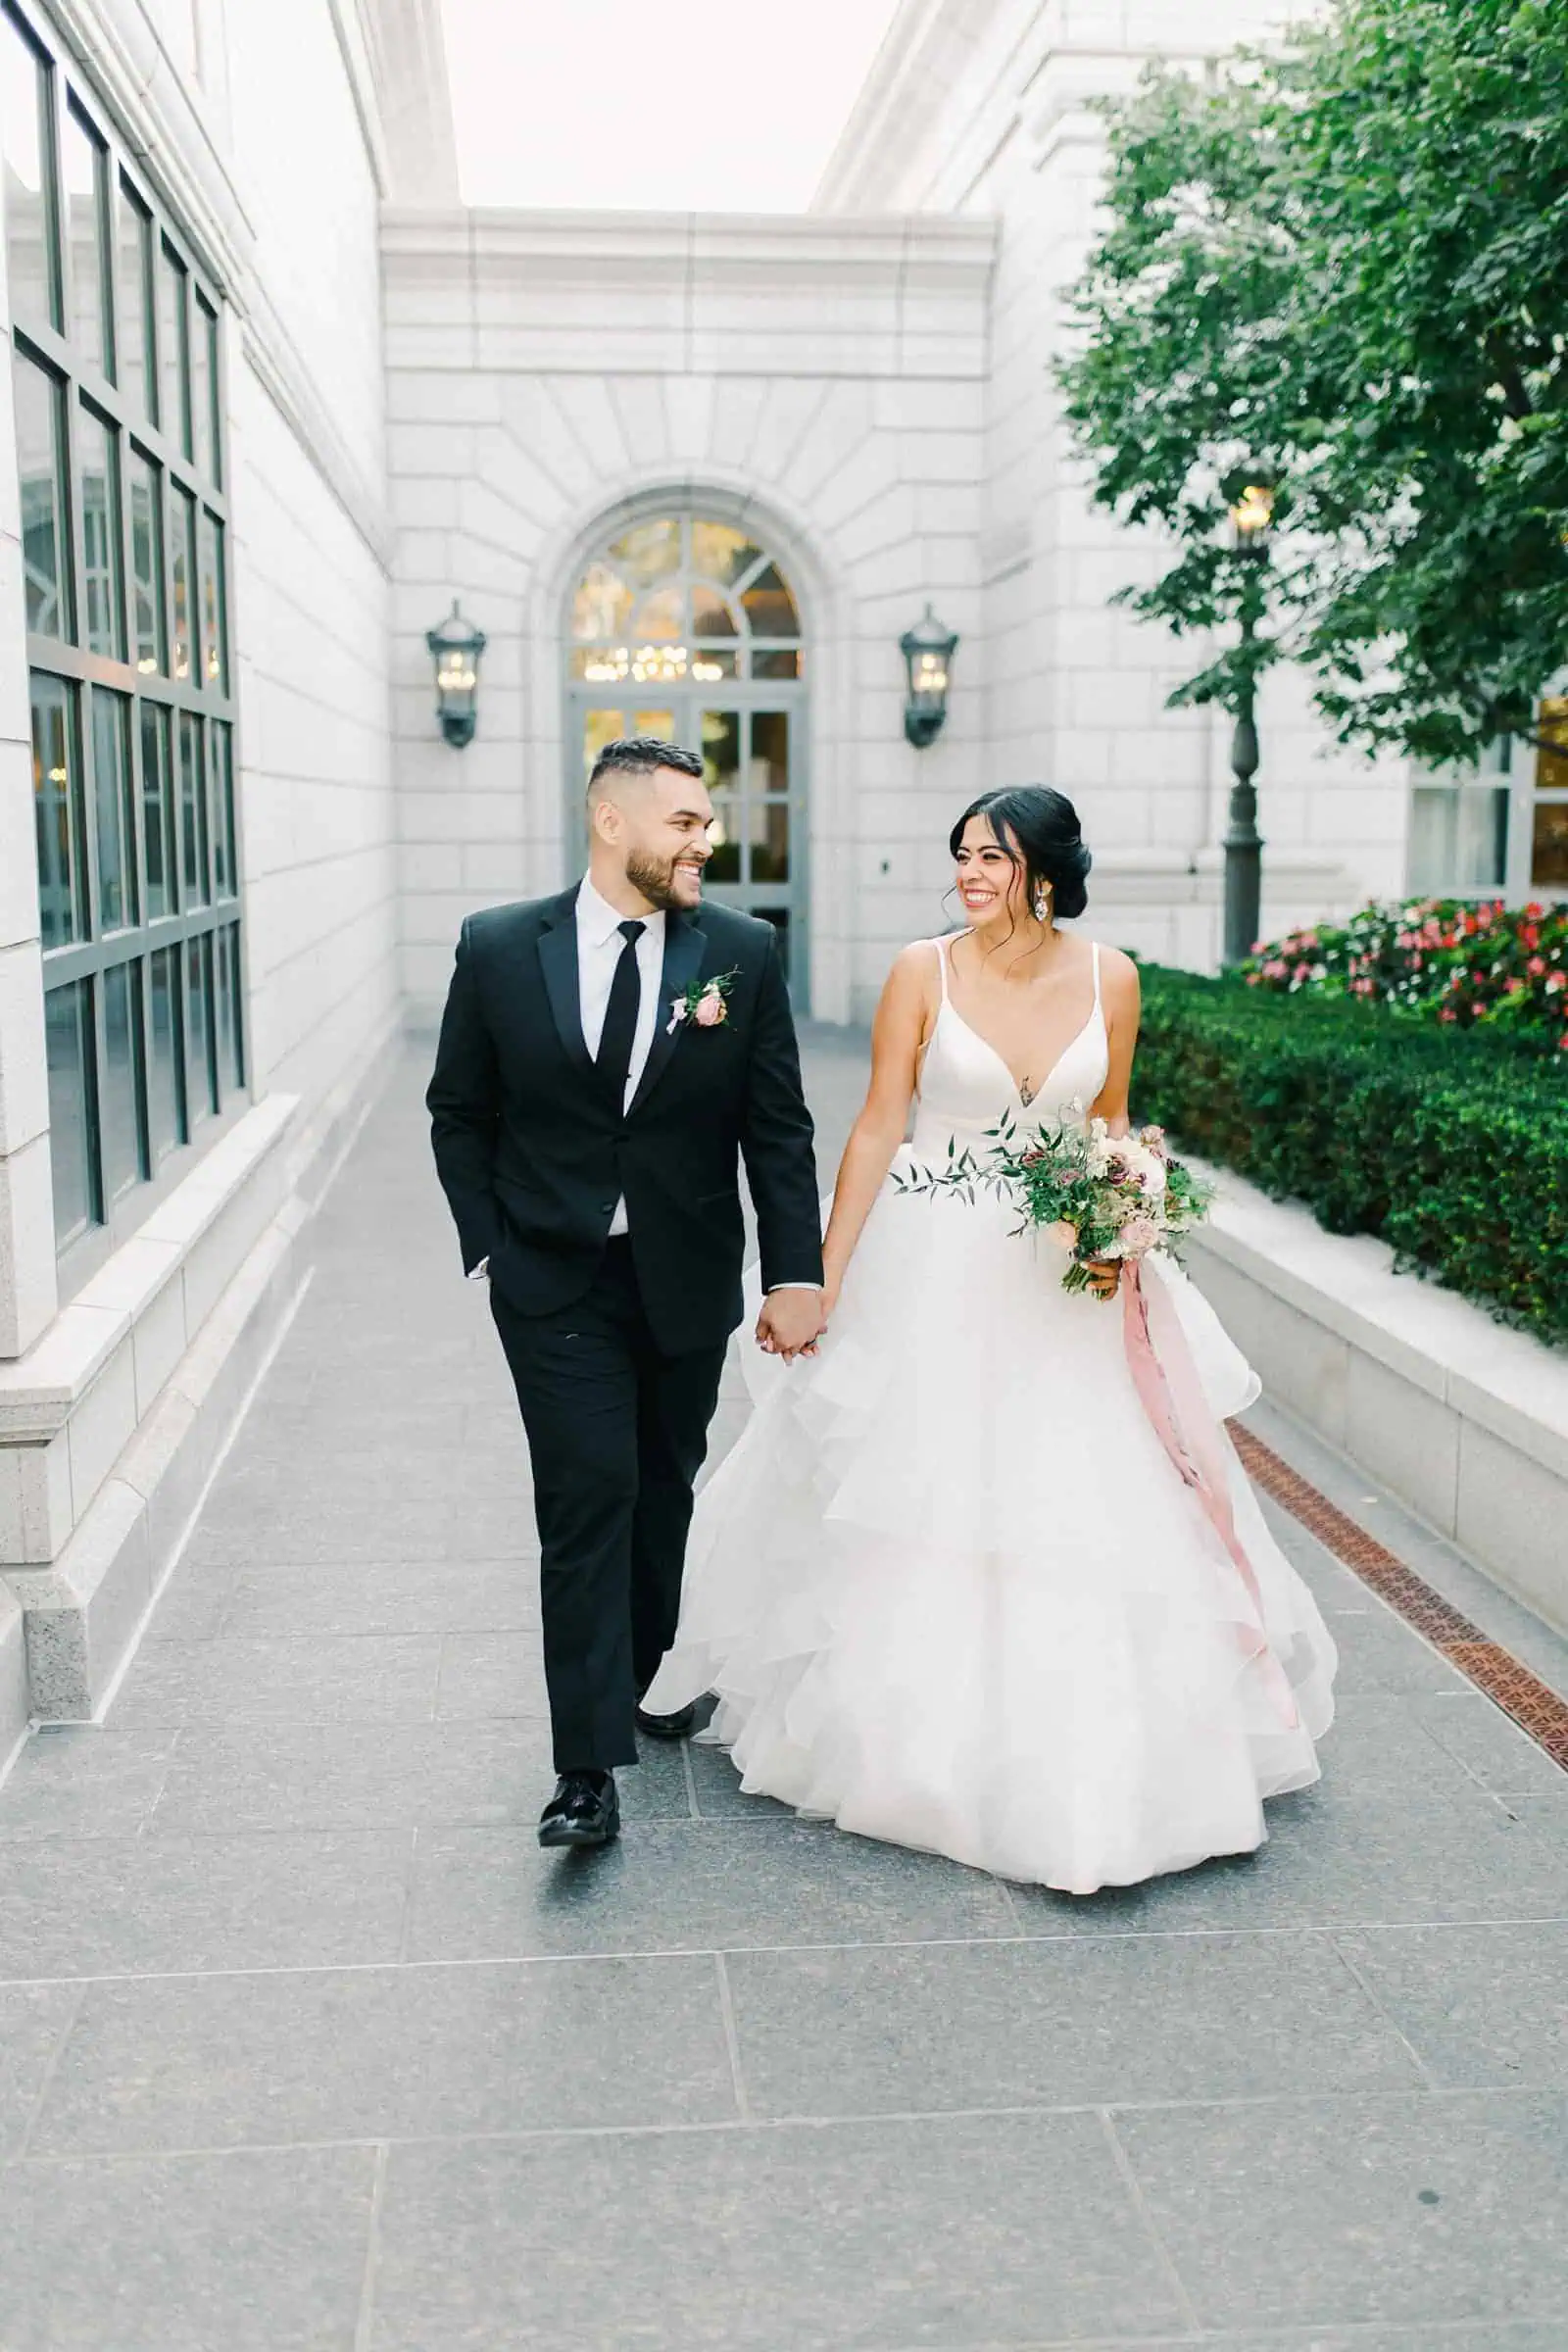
949	1588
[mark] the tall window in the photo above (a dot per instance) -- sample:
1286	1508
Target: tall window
1502	827
1549	832
119	417
682	625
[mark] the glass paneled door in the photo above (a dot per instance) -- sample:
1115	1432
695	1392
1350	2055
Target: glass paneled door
683	627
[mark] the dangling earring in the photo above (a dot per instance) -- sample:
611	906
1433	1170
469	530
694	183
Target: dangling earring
1043	904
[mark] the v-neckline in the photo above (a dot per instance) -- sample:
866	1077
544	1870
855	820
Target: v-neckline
1005	1067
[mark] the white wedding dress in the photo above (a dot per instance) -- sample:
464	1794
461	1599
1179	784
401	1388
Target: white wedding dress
949	1588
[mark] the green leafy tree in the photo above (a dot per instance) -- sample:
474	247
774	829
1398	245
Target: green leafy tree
1341	268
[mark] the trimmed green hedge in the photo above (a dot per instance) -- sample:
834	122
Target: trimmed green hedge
1451	1146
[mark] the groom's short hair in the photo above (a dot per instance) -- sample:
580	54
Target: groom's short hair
639	755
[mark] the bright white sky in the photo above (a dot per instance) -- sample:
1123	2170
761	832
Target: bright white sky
729	106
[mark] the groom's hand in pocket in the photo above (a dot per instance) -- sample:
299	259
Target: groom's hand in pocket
791	1323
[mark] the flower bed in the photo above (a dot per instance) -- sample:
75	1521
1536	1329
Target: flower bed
1453	1145
1444	960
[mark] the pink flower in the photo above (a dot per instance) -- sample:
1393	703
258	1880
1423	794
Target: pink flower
1138	1235
710	1009
1536	966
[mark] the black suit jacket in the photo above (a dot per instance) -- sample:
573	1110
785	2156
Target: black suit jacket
533	1154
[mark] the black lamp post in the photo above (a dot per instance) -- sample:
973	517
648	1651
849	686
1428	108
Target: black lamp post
1252	522
928	650
456	648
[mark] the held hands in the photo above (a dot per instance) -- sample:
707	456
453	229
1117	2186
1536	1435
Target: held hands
791	1323
1105	1275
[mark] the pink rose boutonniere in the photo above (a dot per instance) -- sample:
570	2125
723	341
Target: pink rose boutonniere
706	1003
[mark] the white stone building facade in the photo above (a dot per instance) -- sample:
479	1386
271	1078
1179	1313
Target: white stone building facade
279	400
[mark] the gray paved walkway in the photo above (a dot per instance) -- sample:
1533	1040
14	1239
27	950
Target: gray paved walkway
306	2048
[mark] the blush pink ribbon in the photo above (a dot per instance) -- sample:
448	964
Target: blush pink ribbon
1167	1382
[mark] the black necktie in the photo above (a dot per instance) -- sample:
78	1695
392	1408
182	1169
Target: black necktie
614	1059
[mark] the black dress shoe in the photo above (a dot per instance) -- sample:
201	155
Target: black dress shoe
667	1727
584	1811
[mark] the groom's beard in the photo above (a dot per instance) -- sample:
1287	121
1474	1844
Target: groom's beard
655	877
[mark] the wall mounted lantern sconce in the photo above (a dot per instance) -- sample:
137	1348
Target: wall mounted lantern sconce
928	650
456	648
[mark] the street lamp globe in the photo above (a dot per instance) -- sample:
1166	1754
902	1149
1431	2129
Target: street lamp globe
1252	519
456	647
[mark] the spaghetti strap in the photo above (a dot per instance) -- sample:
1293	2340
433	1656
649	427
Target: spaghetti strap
1095	948
941	947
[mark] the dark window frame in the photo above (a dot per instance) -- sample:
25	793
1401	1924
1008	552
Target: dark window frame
134	424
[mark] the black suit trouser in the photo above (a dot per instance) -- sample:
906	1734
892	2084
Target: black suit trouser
617	1432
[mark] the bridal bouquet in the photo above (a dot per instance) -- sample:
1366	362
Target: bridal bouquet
1100	1197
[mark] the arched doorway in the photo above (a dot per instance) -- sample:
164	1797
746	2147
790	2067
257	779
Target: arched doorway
683	625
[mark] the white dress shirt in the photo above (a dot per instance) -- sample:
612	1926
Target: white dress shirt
600	948
598	951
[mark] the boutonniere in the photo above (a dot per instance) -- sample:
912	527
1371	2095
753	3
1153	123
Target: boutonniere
706	1002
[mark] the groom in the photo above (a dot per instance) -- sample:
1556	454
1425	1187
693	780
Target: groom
606	1059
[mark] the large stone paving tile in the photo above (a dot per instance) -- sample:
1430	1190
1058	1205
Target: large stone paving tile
1068	2024
244	2253
1492	2335
491	1527
1383	1746
695	1886
84	1781
370	1677
491	1674
450	1474
32	2020
1545	1809
384	1597
1481	2006
190	1606
1005	2230
1379	1651
325	1776
1341	1858
719	1794
127	1906
1494	1748
394	2053
1331	2212
301	1425
240	1533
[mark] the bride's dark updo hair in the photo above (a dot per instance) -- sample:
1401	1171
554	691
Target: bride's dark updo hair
1044	825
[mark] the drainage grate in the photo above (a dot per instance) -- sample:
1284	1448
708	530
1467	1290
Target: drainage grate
1533	1704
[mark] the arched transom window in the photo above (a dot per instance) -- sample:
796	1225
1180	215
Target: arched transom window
683	600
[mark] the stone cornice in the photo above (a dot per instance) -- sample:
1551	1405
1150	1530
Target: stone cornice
405	48
767	250
909	83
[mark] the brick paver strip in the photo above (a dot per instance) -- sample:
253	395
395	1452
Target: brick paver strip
1532	1703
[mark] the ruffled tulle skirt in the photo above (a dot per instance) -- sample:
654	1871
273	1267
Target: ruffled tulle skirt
952	1591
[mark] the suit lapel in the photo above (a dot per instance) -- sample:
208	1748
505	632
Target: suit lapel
685	945
558	960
